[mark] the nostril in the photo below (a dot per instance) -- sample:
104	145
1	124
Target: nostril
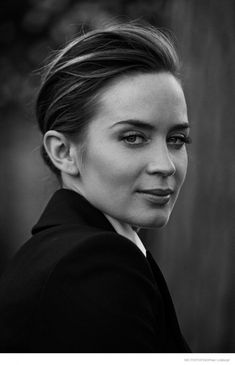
166	168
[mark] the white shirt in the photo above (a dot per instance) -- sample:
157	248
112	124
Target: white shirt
127	231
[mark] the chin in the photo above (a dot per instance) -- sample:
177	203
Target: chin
152	222
156	224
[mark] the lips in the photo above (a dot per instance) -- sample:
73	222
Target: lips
157	196
158	192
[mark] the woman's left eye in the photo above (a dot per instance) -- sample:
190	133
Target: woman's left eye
134	139
179	140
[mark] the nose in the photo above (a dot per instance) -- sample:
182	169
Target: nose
161	162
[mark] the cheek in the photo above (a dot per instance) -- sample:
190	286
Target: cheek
181	166
108	167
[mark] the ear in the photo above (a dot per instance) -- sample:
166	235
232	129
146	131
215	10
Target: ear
61	152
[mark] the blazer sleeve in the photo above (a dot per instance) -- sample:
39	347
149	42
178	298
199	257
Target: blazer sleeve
101	298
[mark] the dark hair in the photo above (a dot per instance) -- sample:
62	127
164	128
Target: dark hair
72	81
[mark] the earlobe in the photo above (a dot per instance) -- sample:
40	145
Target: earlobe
58	148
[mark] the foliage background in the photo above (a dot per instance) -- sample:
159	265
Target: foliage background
196	249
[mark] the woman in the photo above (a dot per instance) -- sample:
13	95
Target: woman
114	119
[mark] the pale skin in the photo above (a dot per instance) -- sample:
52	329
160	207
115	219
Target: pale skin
135	143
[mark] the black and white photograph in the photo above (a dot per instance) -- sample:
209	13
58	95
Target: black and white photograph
117	179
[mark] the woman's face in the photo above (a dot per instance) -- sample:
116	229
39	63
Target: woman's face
136	160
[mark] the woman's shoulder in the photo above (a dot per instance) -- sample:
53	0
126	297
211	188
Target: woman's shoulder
102	246
76	275
59	250
43	252
67	240
89	246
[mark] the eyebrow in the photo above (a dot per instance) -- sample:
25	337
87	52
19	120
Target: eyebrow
150	127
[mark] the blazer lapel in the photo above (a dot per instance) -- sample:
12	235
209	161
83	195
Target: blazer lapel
174	331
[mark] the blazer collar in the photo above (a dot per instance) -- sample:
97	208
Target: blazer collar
69	207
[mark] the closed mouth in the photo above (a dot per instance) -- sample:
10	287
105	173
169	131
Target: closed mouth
157	192
158	197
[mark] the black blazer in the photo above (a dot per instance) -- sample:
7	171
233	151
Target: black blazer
78	286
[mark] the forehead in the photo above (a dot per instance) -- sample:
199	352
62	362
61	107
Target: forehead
149	96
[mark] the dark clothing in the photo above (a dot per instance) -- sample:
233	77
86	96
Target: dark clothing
78	286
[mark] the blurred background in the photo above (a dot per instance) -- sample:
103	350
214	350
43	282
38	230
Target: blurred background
196	249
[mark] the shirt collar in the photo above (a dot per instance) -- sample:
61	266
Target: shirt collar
127	231
68	207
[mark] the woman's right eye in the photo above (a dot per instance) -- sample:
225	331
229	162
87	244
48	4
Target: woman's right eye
134	139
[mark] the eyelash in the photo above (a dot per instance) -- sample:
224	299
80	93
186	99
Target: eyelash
183	139
134	134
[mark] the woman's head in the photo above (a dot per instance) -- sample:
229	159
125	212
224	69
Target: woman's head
69	94
97	83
